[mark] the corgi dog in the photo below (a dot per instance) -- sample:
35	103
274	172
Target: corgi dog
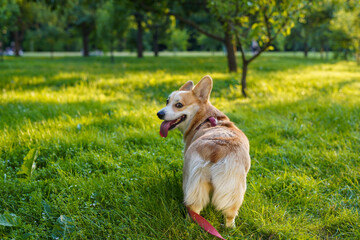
216	155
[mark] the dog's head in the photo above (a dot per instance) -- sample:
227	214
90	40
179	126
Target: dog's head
182	105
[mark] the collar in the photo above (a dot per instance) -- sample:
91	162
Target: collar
213	121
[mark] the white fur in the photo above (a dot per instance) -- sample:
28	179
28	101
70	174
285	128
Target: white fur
227	179
196	179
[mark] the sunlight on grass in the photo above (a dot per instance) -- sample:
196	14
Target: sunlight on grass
104	168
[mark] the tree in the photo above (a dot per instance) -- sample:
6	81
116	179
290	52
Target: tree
346	29
178	40
49	25
82	14
197	14
22	17
208	44
314	25
140	32
8	12
148	13
111	24
261	20
157	24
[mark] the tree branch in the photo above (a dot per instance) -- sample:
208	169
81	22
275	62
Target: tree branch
267	24
271	38
186	21
240	46
197	27
260	51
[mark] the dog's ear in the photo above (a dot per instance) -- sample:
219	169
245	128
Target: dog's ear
187	86
202	90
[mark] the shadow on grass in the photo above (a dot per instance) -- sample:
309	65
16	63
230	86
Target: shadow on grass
17	113
160	91
37	73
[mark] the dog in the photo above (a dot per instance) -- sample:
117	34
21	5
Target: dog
216	155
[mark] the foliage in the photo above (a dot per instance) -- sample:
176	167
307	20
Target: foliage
111	23
208	44
9	220
345	28
104	172
50	25
312	31
8	12
324	25
178	40
159	27
29	165
82	15
255	21
262	20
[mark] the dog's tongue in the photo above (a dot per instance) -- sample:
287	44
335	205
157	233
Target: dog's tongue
164	128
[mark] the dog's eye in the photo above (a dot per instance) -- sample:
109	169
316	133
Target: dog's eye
167	101
179	105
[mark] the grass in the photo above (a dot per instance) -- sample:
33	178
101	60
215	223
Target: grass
103	171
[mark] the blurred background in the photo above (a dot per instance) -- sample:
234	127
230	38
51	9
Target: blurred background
124	27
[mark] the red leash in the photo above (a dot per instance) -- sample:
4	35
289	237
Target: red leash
204	224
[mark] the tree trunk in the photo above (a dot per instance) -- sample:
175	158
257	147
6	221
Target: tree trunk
51	50
1	51
243	78
155	42
230	50
112	52
327	52
85	40
346	55
321	52
139	38
306	49
358	53
17	43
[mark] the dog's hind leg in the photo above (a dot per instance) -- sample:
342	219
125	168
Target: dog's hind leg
196	184
229	181
198	198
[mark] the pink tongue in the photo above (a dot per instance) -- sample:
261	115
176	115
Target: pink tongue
164	128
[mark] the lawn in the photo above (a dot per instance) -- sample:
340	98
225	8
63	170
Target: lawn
103	172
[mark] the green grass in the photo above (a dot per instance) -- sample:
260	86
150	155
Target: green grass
103	171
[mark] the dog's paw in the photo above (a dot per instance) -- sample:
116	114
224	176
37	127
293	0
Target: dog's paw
230	224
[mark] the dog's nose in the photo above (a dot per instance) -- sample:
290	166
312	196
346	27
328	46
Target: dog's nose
161	114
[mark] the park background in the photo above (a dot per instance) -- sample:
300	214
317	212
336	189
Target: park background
81	82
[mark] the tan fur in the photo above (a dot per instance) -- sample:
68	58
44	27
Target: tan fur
216	157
